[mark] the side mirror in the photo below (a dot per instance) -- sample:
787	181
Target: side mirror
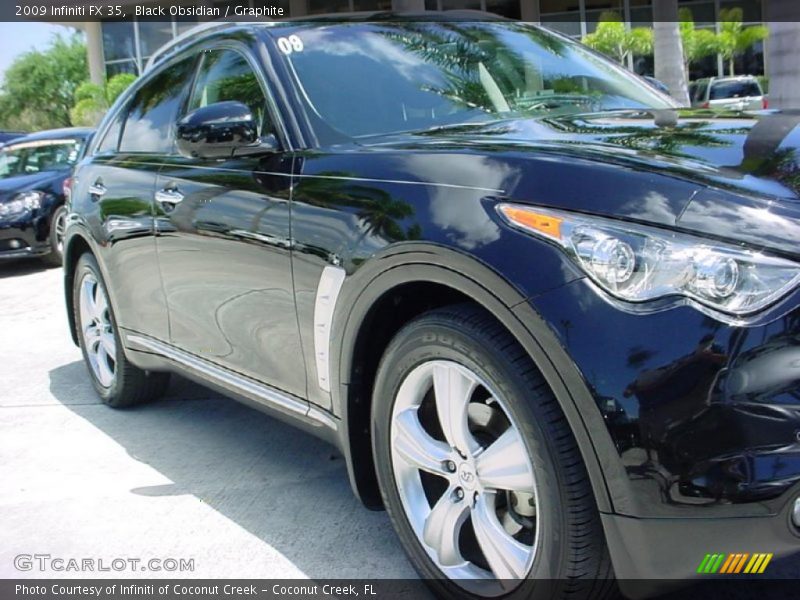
221	130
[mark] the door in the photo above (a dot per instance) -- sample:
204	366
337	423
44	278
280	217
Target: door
117	186
224	243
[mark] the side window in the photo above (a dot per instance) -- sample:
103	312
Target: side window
111	139
154	109
226	75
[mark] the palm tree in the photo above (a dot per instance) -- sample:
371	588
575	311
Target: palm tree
668	50
613	39
697	43
734	38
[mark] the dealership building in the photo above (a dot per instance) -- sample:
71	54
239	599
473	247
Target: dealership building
124	46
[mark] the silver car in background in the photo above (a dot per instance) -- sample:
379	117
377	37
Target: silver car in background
730	93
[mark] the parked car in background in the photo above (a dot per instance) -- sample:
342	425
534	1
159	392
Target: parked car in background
35	172
731	93
7	136
548	321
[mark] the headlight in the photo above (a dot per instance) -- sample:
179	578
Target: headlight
21	203
636	263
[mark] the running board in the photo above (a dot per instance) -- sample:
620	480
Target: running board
249	388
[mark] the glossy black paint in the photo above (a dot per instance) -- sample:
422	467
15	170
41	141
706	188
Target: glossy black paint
677	413
29	234
216	131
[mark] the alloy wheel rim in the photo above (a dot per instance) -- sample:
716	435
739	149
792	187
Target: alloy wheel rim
60	228
464	477
97	330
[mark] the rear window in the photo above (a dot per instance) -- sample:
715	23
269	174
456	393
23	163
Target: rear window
734	89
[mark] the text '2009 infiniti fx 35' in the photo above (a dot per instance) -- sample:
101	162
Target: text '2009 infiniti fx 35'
550	319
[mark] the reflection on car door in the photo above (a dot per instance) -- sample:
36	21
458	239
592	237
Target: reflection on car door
224	244
118	185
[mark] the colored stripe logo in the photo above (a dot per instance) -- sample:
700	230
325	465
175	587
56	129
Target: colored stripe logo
735	563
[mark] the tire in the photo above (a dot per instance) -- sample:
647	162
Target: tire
116	380
55	258
551	514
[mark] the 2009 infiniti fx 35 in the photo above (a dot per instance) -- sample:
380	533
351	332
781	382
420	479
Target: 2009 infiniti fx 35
550	320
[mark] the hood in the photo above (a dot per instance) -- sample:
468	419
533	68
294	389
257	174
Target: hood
733	176
22	183
755	153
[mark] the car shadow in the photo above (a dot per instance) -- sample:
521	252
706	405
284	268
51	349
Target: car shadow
280	484
21	266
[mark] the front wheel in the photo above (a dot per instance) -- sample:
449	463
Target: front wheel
478	468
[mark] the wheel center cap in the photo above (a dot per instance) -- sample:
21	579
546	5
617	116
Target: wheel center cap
467	477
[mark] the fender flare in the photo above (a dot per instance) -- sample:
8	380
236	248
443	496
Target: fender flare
416	263
77	231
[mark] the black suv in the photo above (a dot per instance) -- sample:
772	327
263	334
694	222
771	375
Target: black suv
550	320
35	173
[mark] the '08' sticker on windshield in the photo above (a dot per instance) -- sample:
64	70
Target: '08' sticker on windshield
290	44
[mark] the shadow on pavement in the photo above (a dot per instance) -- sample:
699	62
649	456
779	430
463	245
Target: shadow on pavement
21	266
282	485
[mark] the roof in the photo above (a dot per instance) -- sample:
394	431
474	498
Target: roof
55	134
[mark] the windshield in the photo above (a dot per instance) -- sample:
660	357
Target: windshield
373	78
35	157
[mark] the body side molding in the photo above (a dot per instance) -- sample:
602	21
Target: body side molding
258	392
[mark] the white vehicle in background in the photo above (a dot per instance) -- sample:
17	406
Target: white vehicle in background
730	93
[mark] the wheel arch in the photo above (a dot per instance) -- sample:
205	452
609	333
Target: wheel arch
445	276
75	246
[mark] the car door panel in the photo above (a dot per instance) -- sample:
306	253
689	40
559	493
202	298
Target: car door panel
117	191
224	252
224	243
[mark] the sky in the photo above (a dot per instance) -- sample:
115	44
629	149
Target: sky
18	38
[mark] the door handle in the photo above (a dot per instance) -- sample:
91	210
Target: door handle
169	196
97	190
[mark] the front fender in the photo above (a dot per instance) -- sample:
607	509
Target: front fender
417	262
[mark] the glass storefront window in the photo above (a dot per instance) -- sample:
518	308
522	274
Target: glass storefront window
320	7
702	11
372	4
558	6
641	15
505	8
596	8
153	35
461	4
125	66
751	9
118	40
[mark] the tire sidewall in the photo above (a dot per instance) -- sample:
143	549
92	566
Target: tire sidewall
416	345
56	254
88	265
